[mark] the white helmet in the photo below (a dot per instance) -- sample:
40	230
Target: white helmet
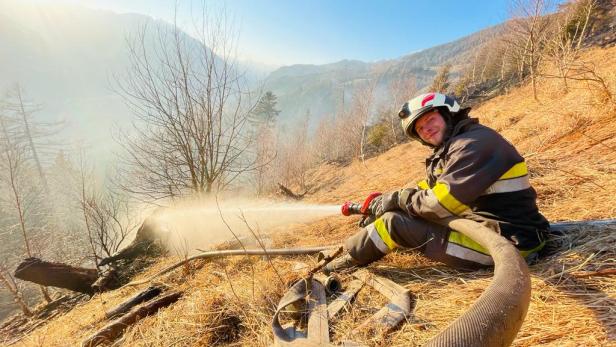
413	109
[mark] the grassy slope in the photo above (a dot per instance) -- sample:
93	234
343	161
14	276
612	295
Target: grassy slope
568	140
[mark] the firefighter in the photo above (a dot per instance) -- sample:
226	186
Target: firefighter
473	173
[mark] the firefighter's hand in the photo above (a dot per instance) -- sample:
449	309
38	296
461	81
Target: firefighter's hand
383	203
394	201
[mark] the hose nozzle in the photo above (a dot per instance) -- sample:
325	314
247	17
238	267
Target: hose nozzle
350	208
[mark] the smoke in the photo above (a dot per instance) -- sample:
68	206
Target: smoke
186	227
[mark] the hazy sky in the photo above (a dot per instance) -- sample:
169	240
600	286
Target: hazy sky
283	32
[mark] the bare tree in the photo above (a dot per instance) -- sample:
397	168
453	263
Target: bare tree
361	109
192	107
23	199
110	222
295	156
526	35
107	215
8	281
266	149
36	135
85	200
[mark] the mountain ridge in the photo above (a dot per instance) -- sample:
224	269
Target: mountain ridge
68	72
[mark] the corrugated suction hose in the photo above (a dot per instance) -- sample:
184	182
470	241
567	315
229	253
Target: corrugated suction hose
496	317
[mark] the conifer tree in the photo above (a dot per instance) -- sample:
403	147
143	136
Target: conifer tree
265	112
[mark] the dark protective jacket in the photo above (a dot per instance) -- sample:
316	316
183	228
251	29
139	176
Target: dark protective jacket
479	175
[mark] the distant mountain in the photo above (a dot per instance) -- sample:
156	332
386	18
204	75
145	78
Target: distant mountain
323	89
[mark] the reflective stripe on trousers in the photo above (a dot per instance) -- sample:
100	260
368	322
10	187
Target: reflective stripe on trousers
380	236
462	246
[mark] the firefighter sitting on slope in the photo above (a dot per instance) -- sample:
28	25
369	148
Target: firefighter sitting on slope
473	173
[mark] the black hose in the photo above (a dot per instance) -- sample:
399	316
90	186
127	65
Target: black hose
496	317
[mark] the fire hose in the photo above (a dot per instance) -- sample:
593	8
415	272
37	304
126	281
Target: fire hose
496	317
236	252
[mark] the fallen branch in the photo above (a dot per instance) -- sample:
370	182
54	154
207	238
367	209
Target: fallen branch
599	273
289	193
115	329
571	269
325	257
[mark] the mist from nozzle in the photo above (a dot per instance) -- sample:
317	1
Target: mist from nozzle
188	226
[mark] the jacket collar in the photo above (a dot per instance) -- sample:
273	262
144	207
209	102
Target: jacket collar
461	126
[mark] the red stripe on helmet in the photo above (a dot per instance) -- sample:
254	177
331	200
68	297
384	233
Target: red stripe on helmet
426	99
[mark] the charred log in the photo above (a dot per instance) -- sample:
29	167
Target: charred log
115	329
57	275
146	295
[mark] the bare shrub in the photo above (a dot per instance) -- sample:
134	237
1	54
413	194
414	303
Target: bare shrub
570	30
526	35
400	90
9	283
441	83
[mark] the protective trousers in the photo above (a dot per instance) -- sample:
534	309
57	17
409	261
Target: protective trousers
394	229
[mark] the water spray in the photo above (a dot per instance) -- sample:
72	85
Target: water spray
187	227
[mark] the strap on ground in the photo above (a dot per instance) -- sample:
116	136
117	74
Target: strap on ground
312	296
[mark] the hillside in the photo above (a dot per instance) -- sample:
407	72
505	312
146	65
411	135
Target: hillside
569	141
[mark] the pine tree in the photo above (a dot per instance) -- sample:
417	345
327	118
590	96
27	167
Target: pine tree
265	112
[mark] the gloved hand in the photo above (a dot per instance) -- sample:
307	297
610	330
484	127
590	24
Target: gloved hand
394	201
383	203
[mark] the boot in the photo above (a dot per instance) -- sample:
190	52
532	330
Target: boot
345	262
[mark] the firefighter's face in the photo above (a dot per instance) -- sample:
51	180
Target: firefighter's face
431	128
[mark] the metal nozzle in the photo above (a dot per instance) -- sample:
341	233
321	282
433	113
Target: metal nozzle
350	208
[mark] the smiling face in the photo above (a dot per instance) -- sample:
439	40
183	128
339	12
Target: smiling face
431	128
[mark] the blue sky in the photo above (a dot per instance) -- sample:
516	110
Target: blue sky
284	32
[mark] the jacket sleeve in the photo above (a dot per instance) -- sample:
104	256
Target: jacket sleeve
473	164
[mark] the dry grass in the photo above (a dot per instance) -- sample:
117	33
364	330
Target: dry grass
568	140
